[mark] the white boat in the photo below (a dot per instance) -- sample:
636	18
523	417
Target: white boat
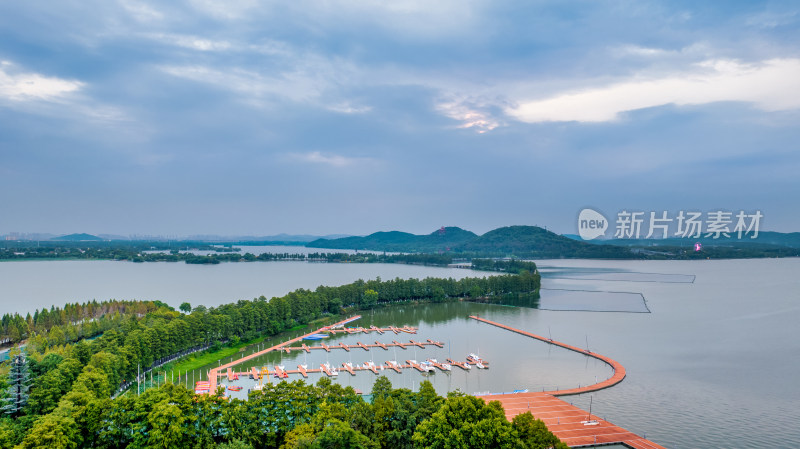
443	366
331	369
479	365
466	365
589	421
473	356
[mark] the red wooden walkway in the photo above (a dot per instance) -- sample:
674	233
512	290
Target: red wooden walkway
563	419
213	373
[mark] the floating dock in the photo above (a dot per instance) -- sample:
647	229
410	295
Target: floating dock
366	347
572	425
331	371
366	330
227	369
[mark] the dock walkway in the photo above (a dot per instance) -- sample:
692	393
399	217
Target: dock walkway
566	421
214	372
360	345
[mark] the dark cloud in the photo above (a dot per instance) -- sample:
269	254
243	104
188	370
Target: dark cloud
252	118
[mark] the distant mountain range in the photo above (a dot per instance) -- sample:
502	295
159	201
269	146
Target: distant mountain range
535	242
518	241
528	241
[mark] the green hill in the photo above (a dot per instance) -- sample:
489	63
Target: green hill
78	238
521	241
444	239
533	241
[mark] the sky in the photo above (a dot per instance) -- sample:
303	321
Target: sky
252	117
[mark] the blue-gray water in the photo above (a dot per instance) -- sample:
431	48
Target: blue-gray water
714	365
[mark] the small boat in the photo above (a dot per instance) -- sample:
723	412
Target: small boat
332	370
234	388
589	421
315	337
466	365
427	367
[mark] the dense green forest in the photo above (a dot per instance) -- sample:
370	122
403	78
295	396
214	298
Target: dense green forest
71	379
283	415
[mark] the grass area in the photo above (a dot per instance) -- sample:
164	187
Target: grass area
189	364
201	359
205	358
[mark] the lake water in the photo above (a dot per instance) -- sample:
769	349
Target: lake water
714	363
29	285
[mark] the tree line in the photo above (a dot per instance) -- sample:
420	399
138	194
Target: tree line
137	336
73	322
283	416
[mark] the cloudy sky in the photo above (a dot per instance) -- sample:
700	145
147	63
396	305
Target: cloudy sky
260	117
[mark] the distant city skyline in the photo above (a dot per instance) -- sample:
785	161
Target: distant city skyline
253	118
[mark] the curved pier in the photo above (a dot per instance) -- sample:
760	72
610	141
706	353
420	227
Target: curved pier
619	370
573	426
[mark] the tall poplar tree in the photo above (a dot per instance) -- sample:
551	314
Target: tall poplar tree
18	380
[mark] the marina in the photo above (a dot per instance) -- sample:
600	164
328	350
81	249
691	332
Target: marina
280	372
574	426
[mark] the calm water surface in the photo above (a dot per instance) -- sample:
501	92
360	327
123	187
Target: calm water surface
29	285
714	364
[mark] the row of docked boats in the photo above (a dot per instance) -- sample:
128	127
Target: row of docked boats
477	361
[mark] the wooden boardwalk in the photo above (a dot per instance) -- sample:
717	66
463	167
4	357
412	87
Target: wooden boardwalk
282	373
366	330
619	370
565	420
214	372
359	345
